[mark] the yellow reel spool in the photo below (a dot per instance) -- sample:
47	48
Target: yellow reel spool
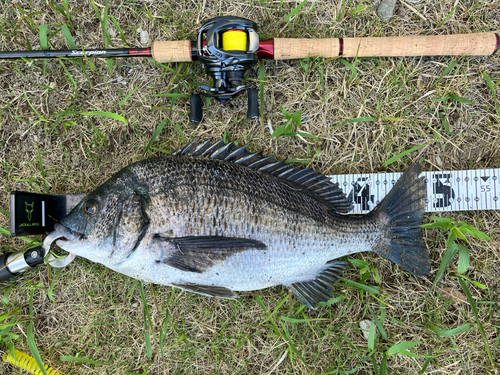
27	363
234	40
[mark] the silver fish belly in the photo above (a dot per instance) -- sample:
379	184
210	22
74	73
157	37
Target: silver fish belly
214	219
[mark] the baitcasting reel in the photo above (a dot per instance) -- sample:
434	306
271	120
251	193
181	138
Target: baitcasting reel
226	46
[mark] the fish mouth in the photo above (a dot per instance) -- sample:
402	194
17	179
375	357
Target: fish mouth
69	235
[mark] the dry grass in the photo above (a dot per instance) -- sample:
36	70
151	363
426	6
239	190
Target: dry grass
98	314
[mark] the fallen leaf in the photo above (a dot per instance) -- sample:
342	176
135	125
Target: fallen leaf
453	294
365	327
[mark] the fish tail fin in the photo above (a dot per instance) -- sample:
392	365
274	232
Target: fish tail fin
402	211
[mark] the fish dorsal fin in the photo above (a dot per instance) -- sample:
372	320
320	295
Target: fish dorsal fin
316	183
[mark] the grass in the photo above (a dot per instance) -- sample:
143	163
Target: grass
68	125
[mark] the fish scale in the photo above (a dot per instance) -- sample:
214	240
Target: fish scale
214	219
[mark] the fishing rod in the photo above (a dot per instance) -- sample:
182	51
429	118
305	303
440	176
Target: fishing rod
227	46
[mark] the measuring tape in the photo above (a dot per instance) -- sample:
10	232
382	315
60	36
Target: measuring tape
446	191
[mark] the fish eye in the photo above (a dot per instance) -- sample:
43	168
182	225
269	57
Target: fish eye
90	207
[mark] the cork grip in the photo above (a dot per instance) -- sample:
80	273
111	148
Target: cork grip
172	51
460	44
285	49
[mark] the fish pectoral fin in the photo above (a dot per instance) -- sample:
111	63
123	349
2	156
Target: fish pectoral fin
199	253
320	289
208	290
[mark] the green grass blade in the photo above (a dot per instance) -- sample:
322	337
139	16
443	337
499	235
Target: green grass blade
286	336
103	21
42	171
471	231
441	23
490	85
171	95
466	290
43	44
53	283
125	98
446	71
451	332
118	29
99	134
401	347
68	36
262	80
379	324
371	337
460	99
147	321
351	67
331	301
463	259
5	297
367	288
114	116
404	153
70	77
34	349
157	132
447	257
163	332
306	320
383	365
68	358
426	363
363	119
294	11
30	241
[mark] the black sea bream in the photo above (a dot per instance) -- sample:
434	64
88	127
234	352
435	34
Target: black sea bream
214	219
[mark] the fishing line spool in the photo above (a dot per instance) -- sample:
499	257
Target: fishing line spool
226	46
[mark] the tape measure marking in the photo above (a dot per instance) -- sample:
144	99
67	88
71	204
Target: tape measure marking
446	190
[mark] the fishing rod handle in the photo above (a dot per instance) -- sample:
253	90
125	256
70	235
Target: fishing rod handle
171	51
478	44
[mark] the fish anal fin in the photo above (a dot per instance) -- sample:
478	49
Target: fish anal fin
319	289
199	253
208	290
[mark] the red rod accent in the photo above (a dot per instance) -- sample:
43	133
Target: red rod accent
139	51
266	49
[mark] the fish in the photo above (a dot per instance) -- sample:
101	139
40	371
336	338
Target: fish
213	218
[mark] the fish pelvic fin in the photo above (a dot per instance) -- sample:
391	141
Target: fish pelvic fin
401	212
207	290
310	293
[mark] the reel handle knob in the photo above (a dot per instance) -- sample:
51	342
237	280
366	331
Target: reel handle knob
196	112
253	104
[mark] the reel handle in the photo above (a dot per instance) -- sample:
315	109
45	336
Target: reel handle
253	104
196	108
